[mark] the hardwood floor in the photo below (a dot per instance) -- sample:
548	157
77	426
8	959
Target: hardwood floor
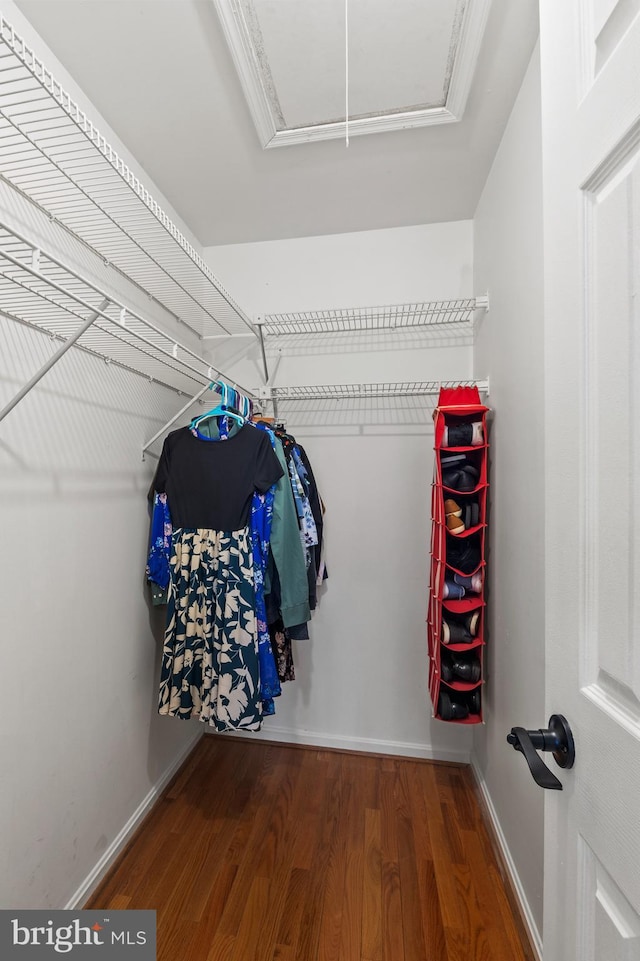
259	851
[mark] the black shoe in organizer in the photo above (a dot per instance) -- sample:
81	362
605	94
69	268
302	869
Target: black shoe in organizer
461	628
460	667
463	435
458	473
471	514
456	706
463	553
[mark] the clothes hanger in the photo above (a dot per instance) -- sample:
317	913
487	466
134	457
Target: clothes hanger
223	409
240	402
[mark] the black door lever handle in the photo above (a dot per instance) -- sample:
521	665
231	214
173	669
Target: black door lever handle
556	738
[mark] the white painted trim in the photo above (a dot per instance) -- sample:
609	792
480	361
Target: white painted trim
464	67
239	40
364	744
365	125
238	37
99	870
527	914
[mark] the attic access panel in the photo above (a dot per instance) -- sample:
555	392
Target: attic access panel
411	69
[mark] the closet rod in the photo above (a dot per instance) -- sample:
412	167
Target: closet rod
50	363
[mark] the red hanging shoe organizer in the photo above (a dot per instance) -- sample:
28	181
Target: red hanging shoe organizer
456	614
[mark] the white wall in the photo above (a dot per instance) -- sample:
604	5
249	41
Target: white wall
508	248
362	678
81	745
398	265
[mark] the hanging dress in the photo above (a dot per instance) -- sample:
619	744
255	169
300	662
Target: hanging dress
210	665
261	519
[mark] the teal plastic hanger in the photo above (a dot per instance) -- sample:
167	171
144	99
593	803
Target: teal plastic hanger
243	405
222	409
239	402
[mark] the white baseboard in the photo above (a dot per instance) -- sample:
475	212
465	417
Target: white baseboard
97	873
364	744
527	914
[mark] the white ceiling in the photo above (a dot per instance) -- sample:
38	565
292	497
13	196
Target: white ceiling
163	76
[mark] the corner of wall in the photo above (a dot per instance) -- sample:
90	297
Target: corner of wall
99	870
508	262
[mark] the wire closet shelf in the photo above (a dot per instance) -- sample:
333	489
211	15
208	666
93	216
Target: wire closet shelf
393	317
55	157
338	397
340	392
40	292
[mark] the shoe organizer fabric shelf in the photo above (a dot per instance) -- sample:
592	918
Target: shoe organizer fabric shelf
456	610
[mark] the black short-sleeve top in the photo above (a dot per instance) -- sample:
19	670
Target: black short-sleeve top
210	483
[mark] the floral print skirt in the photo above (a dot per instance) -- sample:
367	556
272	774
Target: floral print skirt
210	664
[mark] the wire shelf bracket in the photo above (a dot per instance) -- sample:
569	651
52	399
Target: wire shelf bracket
53	360
171	422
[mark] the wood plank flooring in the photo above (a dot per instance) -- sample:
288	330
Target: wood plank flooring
259	851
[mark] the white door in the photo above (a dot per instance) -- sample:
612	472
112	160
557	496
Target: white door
590	51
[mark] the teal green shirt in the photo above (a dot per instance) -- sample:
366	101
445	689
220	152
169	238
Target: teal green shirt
287	550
